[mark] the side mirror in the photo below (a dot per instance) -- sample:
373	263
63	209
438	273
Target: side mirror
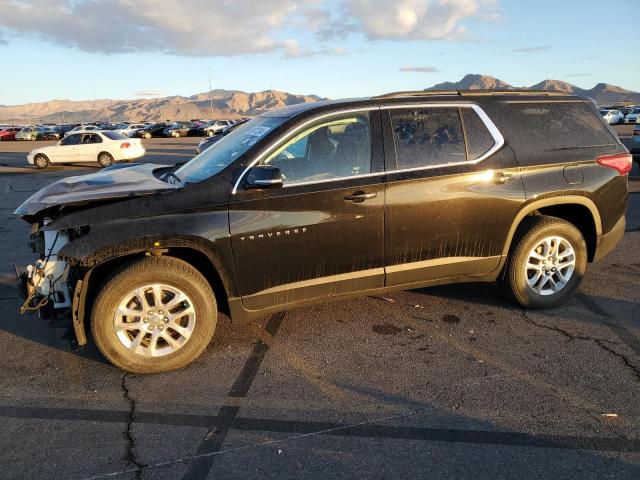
264	176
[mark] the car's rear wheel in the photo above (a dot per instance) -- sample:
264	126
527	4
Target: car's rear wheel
547	262
154	315
210	133
105	159
41	161
147	135
32	138
176	134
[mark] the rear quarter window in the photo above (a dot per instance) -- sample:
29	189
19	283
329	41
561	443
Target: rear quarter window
558	125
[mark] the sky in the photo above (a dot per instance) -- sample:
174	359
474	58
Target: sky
120	49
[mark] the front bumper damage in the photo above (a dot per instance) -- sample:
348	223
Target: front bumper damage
50	286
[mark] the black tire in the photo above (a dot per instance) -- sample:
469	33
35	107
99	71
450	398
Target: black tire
41	161
105	159
168	271
531	233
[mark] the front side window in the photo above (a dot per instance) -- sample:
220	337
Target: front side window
70	140
427	137
336	148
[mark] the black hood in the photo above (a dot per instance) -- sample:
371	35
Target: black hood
119	181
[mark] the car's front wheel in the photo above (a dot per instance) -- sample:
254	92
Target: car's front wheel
547	262
41	161
210	133
154	315
105	159
147	135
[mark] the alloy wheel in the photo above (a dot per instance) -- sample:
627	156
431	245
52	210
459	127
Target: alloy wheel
154	320
550	265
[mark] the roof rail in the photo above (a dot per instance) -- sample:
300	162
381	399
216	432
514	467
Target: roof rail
418	93
473	93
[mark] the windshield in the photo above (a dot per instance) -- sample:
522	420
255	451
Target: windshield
227	150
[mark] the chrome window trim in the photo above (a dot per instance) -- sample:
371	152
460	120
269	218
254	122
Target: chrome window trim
493	130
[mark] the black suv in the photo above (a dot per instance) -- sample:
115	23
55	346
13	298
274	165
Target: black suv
329	200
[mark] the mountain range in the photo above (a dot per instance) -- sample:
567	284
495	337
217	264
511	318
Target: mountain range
227	104
602	93
234	103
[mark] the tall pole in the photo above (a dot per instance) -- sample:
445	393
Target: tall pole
210	96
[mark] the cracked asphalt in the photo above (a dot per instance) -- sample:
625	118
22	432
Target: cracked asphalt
446	382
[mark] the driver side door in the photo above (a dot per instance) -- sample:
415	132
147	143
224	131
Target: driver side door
67	150
321	234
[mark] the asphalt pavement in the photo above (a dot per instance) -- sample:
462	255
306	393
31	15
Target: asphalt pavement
450	382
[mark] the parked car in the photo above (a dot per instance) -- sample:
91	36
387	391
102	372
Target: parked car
82	129
217	127
154	130
612	117
326	201
104	147
208	141
51	133
64	128
633	116
30	133
177	130
635	141
9	133
129	130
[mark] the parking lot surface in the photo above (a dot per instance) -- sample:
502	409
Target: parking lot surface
447	382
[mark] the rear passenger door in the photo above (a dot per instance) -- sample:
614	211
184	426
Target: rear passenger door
452	192
90	147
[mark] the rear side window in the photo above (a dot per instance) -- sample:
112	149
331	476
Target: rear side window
114	135
479	139
427	137
558	125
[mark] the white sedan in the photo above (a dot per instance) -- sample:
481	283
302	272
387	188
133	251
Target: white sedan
612	117
633	116
130	130
82	128
104	147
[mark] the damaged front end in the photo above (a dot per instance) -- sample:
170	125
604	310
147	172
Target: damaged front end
53	284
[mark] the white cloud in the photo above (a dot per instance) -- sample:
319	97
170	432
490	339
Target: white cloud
418	69
534	49
418	19
226	28
182	27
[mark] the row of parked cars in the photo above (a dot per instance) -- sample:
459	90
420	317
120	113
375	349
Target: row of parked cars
197	128
619	116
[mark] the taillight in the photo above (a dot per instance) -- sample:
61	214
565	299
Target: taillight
622	162
125	145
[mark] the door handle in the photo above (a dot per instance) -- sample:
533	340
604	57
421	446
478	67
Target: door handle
502	177
359	197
